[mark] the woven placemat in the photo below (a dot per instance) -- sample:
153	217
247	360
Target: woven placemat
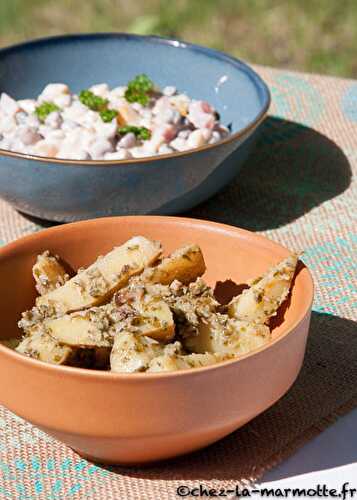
298	189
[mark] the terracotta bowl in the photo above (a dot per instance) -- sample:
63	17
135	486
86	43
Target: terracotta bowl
138	418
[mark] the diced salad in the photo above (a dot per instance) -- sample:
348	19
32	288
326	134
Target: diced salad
132	121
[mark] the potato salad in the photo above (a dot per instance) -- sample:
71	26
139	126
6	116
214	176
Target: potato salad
134	310
101	123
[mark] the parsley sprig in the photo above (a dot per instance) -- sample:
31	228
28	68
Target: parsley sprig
44	109
97	103
139	132
139	89
92	101
107	115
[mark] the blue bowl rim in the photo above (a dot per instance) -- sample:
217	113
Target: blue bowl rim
179	44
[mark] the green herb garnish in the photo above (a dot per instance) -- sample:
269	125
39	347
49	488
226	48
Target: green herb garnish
45	109
107	115
92	101
138	89
97	103
140	132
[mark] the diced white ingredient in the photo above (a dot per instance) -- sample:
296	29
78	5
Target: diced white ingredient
44	148
8	105
78	154
83	136
224	131
90	118
72	152
55	136
138	152
195	139
183	134
28	105
121	154
127	115
63	100
169	91
165	149
179	144
53	120
33	121
146	114
18	146
166	132
137	106
28	135
146	122
106	130
7	124
81	155
160	135
201	115
21	118
206	133
181	103
76	142
69	125
127	141
44	130
5	144
118	91
161	105
99	147
216	136
115	102
150	147
167	115
101	89
75	112
53	90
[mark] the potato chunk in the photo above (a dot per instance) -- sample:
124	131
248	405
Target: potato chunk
168	363
155	320
220	334
132	353
48	273
146	314
40	345
266	293
185	265
90	328
96	327
97	283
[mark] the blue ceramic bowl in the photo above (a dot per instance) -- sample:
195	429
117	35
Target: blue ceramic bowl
65	190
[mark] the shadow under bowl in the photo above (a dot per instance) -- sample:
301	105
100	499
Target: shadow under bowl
65	190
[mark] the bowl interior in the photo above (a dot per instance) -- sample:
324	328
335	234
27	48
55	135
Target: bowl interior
230	253
82	60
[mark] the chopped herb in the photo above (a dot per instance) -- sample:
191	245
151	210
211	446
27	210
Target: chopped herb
92	101
97	103
45	109
138	89
107	115
140	132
